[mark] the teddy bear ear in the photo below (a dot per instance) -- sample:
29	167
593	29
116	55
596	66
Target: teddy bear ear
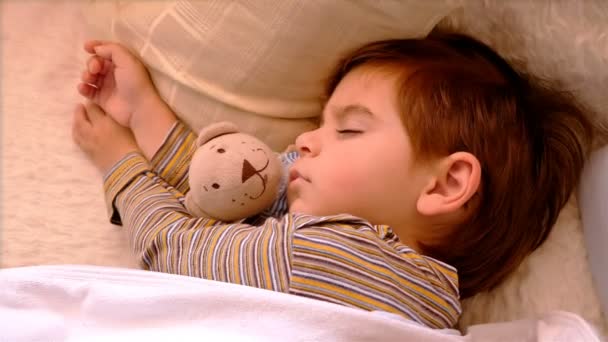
215	130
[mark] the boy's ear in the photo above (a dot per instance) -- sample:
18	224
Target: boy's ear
455	181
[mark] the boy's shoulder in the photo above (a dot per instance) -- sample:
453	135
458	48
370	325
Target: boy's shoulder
378	241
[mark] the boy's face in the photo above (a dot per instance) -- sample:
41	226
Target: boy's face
360	160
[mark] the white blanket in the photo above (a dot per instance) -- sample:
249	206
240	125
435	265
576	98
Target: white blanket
89	303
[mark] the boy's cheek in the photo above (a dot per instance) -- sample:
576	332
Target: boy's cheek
346	179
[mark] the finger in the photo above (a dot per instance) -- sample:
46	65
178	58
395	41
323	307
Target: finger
95	65
86	90
76	126
87	77
89	45
113	52
107	67
94	112
80	122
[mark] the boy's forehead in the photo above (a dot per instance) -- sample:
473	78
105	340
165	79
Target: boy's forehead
360	92
341	112
347	109
364	84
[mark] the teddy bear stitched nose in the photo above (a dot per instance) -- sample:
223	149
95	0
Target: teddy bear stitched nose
248	171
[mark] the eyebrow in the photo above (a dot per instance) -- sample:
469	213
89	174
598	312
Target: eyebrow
354	109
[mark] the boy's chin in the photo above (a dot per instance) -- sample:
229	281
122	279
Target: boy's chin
297	206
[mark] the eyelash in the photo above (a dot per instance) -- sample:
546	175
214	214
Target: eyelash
348	131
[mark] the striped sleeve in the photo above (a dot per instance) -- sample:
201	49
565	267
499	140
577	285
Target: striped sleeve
348	262
166	239
172	160
119	176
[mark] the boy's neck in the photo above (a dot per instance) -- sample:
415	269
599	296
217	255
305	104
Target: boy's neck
407	236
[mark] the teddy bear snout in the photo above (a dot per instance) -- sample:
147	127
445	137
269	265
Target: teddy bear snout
248	171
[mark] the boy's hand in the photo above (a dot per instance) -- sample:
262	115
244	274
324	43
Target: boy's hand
115	80
103	140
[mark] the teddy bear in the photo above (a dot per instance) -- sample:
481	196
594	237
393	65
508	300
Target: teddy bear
234	175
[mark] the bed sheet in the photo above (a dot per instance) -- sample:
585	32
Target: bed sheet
53	207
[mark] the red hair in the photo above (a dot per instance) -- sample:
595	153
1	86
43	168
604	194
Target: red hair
456	94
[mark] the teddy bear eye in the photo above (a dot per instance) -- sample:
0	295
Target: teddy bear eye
220	150
215	186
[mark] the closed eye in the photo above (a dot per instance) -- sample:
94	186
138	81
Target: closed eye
348	131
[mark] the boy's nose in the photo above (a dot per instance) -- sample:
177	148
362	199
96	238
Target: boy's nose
307	144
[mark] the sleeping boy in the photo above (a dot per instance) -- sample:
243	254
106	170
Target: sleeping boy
435	170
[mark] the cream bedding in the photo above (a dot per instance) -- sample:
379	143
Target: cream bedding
259	64
52	203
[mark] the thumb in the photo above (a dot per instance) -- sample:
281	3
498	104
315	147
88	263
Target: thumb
116	53
93	111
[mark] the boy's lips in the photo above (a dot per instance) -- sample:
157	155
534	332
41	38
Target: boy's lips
295	174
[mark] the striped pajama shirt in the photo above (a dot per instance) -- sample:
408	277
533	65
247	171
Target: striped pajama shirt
340	258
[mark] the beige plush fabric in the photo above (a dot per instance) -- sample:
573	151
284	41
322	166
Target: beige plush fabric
53	209
255	63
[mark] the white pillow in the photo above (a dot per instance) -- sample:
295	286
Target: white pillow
260	64
566	41
593	194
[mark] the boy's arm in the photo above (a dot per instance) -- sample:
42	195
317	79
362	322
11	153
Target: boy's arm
150	122
117	81
165	141
166	239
